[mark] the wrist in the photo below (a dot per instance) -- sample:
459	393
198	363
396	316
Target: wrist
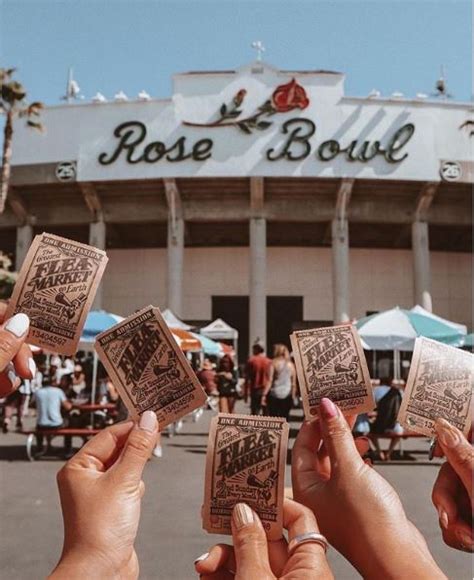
398	554
79	564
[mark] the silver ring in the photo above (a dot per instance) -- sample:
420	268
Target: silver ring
313	537
432	448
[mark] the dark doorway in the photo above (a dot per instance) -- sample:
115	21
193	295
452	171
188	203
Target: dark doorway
235	311
282	314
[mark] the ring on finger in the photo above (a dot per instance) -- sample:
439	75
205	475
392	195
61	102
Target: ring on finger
309	537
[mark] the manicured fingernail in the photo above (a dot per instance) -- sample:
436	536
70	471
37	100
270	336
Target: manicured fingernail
242	515
201	558
448	435
328	408
32	367
443	518
148	421
18	324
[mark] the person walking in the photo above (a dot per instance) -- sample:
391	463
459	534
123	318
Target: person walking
226	384
256	377
281	385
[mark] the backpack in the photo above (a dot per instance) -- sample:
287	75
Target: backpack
387	411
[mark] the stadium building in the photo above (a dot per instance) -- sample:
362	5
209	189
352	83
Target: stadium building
268	198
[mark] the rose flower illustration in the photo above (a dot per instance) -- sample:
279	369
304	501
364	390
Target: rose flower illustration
288	97
284	98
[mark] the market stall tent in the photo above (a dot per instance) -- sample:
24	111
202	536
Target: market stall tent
220	330
173	321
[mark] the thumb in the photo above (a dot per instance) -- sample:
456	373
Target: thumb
458	451
250	545
137	449
337	437
12	336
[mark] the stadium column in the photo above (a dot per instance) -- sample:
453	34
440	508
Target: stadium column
258	263
24	237
97	238
24	230
97	229
175	248
421	265
340	254
421	247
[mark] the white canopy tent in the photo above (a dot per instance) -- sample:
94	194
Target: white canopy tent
220	330
173	321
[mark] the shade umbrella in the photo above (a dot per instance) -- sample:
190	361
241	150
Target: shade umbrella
209	346
173	321
461	328
397	329
186	340
97	321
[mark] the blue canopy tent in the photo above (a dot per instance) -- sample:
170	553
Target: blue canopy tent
209	346
96	322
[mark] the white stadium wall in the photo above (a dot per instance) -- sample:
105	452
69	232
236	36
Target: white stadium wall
380	279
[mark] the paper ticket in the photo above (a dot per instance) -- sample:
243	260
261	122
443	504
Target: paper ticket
439	385
245	462
148	368
55	288
330	362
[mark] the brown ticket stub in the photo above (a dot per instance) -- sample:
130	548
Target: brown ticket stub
439	386
330	362
148	368
55	288
246	457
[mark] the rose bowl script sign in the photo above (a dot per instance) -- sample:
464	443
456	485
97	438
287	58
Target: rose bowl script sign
133	146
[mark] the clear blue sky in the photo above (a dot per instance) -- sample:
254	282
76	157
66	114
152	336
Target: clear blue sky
132	45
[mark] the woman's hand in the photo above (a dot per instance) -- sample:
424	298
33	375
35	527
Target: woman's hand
253	557
452	491
16	359
357	509
101	491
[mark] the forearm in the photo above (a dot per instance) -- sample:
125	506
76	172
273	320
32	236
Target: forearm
398	553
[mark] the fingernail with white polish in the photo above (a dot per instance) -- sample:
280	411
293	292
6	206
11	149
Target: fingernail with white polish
242	515
32	367
201	558
148	421
18	324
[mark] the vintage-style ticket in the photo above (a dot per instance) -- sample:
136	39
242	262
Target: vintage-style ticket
148	368
439	386
56	288
330	362
246	457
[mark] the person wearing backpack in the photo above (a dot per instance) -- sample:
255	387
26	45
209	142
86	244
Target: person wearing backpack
388	400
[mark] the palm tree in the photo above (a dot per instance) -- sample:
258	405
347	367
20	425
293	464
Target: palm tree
13	104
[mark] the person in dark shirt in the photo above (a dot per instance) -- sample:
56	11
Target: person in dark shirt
256	377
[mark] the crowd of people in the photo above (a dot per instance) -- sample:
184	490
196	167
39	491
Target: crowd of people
338	497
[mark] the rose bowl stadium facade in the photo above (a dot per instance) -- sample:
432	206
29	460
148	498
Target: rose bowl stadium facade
268	198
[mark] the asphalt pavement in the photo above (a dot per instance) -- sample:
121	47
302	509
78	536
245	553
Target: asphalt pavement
170	535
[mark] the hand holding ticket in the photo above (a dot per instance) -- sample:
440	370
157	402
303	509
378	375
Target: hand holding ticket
148	368
56	288
246	458
439	386
330	363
